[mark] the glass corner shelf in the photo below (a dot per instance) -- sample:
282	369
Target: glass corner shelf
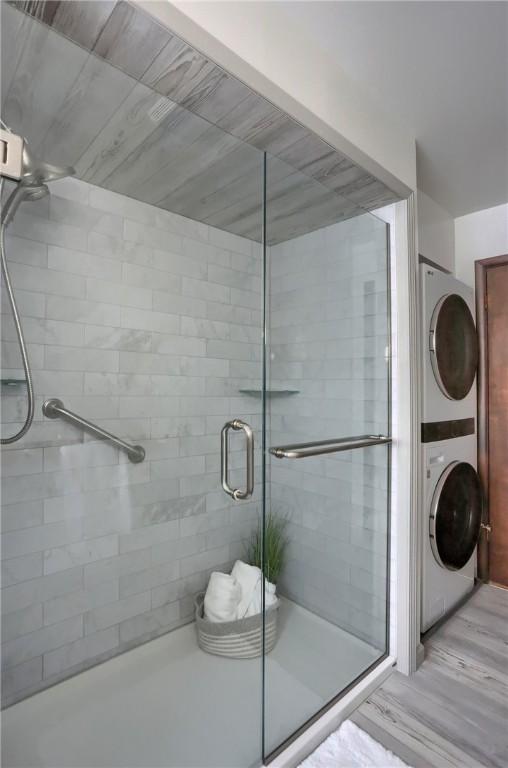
13	382
269	392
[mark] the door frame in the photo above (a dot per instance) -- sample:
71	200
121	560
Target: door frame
481	268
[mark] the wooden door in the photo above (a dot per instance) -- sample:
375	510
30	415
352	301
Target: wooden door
496	328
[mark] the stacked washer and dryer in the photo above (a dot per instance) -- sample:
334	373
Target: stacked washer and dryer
452	504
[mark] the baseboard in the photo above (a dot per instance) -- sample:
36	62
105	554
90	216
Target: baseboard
443	619
420	654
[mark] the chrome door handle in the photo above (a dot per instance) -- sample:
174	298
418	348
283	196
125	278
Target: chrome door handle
237	494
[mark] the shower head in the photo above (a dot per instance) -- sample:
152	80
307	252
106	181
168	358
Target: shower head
34	192
36	172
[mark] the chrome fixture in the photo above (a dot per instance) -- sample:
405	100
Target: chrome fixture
301	450
237	494
55	409
31	185
19	194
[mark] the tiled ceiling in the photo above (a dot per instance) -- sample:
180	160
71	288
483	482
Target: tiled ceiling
103	87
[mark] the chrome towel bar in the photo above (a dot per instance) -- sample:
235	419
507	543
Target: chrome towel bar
301	450
55	409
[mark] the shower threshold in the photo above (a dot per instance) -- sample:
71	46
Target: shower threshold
169	704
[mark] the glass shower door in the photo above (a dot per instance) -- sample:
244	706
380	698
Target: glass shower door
153	332
328	446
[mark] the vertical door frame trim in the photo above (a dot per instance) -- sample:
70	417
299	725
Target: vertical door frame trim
481	268
409	651
405	643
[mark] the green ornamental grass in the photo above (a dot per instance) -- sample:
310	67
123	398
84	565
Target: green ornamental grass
276	542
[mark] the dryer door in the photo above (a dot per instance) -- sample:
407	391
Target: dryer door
455	515
453	346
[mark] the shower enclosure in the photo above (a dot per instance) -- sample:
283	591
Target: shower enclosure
210	265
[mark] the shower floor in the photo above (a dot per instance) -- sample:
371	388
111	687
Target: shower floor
167	703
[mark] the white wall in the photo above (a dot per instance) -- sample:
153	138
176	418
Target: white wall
479	235
260	44
435	232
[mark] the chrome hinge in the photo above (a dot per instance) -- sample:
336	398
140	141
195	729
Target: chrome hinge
487	528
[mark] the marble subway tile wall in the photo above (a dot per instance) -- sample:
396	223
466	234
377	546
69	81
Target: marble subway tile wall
328	343
148	324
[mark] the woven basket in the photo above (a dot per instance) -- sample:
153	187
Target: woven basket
242	639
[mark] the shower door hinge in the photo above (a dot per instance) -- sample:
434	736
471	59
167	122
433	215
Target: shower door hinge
11	155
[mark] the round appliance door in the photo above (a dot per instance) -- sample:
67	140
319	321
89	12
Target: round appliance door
455	515
453	346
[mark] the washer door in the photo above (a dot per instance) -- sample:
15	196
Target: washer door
453	346
455	515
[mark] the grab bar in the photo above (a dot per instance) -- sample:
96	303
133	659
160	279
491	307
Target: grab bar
55	409
301	450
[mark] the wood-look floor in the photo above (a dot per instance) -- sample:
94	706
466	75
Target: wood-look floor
453	711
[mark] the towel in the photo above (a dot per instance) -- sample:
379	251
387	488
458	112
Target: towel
270	596
222	597
250	578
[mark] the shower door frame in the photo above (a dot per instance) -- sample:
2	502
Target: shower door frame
270	757
407	654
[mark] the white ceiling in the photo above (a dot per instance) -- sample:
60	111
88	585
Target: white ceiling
442	67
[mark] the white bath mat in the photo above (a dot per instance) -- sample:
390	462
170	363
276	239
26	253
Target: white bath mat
350	747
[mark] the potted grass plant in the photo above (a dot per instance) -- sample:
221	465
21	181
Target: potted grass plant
275	545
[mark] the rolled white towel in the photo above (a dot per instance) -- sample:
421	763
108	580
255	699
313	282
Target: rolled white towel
222	597
250	578
270	596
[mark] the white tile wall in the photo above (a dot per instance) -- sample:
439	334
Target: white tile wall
148	324
328	340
